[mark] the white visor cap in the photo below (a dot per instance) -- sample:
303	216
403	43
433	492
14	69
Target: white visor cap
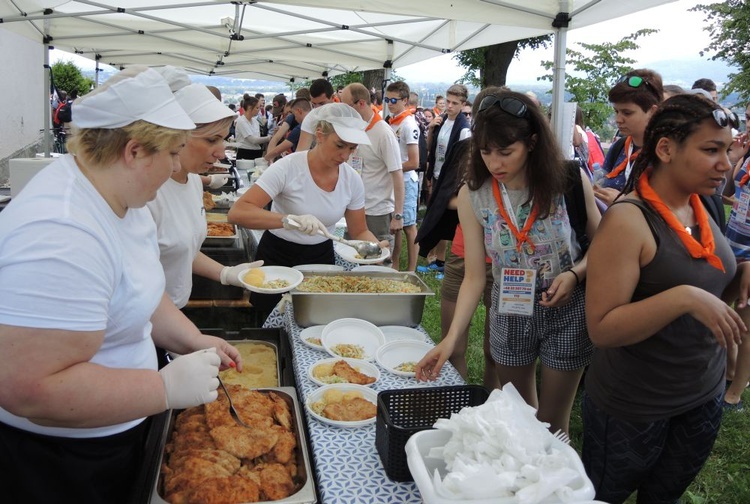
145	96
176	77
201	104
346	121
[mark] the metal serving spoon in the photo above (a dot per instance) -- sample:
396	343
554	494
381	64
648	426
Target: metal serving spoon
366	249
232	410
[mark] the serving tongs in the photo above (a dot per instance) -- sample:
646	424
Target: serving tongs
232	410
366	249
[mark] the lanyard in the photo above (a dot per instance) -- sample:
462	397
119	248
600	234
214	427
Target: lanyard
504	203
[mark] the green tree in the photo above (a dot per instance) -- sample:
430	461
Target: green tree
727	23
488	66
596	68
67	76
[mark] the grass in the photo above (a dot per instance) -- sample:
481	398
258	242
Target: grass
725	478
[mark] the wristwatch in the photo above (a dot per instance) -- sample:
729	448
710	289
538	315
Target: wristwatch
398	216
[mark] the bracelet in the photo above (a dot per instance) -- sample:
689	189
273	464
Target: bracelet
578	279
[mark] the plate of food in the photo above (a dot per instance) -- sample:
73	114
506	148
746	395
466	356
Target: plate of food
271	279
340	370
401	357
350	254
343	405
352	338
311	337
400	333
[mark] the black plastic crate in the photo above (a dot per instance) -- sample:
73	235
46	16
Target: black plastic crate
404	412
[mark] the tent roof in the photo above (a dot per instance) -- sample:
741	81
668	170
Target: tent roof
285	39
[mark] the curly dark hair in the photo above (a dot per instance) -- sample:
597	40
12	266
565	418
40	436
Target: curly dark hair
677	118
493	127
650	93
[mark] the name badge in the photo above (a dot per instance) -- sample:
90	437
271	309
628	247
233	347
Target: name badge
356	163
441	148
517	286
742	205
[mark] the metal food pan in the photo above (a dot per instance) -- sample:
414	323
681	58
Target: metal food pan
218	241
318	308
305	494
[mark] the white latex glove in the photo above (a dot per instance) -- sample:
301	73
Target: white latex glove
308	224
191	380
230	275
217	181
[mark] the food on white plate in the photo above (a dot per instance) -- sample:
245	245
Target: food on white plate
344	406
407	367
341	372
255	277
349	350
354	284
315	341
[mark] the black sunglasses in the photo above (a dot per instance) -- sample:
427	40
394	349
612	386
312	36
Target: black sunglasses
635	81
393	101
724	118
508	104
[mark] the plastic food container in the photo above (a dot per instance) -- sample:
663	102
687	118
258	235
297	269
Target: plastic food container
404	412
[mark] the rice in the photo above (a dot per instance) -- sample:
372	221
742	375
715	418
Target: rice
356	284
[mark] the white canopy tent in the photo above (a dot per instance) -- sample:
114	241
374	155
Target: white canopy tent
299	39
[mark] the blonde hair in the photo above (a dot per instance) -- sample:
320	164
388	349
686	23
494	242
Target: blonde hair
324	127
99	147
207	130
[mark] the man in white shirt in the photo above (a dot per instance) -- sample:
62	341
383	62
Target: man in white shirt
380	167
403	123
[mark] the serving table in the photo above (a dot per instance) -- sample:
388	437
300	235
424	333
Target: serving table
347	464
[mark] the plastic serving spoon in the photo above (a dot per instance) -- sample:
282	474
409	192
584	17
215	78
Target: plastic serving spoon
366	249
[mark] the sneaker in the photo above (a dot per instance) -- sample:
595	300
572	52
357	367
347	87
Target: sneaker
732	407
439	276
423	269
433	266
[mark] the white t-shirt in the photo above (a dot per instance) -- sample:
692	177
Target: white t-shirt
68	262
244	130
375	163
407	132
291	187
443	139
181	228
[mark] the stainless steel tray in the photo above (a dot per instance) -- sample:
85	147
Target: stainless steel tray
305	494
318	308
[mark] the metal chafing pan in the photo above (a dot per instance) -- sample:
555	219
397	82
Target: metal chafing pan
306	492
319	308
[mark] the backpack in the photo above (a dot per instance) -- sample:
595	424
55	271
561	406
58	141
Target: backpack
575	203
63	114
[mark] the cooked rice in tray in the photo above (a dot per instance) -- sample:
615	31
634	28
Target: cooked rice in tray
351	284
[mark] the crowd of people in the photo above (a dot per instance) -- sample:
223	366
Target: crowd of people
113	231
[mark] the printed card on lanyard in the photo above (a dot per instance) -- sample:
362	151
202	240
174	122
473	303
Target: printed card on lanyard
356	163
517	287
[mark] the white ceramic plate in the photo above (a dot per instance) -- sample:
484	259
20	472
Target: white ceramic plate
348	253
354	332
311	268
400	333
318	394
363	367
395	353
292	276
312	332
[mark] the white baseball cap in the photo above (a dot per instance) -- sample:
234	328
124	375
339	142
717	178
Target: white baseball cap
177	78
145	96
201	105
346	121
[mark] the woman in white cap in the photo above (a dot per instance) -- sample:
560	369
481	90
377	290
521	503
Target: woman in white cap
314	189
178	208
83	304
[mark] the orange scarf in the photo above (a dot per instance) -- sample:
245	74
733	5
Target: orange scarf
436	111
396	120
522	235
373	121
628	157
745	179
698	250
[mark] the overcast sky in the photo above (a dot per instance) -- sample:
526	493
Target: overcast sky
681	36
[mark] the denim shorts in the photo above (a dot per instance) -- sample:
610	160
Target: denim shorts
411	193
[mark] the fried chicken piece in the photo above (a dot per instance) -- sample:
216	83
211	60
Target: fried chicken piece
186	440
193	471
248	471
344	370
292	469
243	442
182	460
283	450
350	410
275	482
217	413
252	402
229	490
281	411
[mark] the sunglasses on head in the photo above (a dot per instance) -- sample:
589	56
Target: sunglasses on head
724	118
507	104
392	101
635	81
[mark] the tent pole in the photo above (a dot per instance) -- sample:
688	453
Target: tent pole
47	137
558	76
